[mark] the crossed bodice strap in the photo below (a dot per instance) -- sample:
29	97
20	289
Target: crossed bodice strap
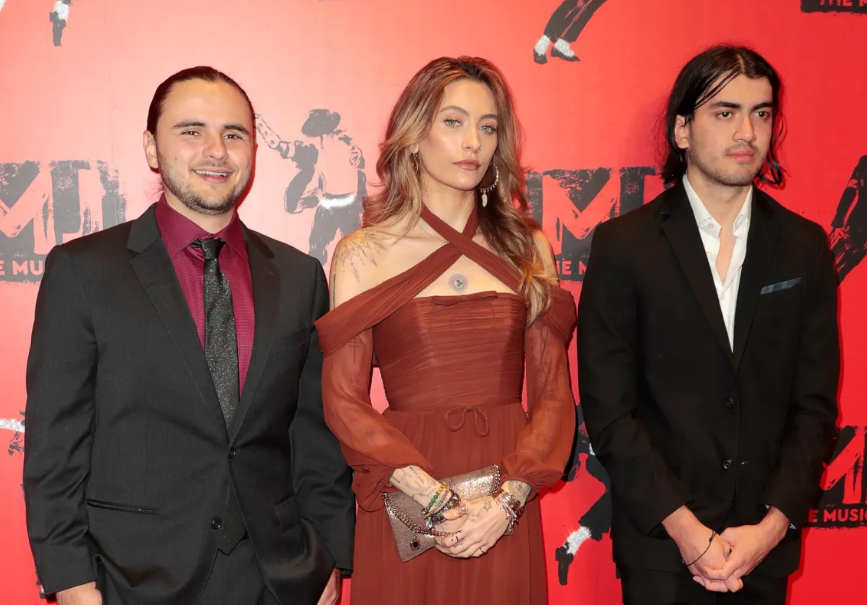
489	261
369	308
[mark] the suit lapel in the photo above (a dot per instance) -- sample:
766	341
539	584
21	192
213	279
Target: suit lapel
760	248
266	296
681	230
155	271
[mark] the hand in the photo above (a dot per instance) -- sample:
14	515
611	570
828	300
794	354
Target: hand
483	524
332	589
710	562
750	545
455	520
85	594
837	234
691	537
355	157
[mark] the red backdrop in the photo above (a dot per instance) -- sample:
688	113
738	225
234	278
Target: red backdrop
77	79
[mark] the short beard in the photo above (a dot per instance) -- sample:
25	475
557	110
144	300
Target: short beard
195	202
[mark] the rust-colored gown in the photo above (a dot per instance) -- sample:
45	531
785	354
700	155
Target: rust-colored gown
452	367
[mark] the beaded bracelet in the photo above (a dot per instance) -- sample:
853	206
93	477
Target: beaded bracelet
442	505
510	505
427	509
438	517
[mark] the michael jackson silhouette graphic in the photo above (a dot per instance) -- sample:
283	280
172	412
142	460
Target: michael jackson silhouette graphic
594	523
58	17
563	28
848	234
330	177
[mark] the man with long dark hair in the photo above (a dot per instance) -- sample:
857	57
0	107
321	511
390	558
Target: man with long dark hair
177	452
709	352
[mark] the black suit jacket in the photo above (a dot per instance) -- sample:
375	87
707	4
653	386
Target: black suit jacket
128	463
677	417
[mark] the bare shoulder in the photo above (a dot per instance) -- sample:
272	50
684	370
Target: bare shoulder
354	266
544	250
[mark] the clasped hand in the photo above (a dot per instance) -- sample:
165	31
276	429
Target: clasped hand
475	528
746	546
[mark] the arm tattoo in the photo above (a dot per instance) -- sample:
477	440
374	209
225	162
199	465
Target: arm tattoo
415	483
356	251
519	489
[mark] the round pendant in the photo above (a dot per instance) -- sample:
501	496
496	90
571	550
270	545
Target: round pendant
458	283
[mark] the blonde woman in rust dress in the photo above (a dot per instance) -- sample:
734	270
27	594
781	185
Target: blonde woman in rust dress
450	290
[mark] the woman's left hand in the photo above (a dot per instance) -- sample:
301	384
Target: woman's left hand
483	524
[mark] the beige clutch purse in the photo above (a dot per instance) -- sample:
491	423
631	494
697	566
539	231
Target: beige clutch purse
405	514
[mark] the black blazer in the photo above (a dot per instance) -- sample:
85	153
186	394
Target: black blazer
128	463
673	414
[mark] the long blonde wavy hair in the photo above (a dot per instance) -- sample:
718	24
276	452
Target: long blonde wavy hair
505	221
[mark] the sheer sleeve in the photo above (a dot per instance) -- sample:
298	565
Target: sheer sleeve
372	447
545	443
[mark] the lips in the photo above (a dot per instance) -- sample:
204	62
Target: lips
468	164
743	154
213	175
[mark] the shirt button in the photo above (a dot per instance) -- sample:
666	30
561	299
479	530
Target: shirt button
216	524
727	465
232	453
730	403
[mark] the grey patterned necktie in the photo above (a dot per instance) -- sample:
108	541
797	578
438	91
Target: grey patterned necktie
221	341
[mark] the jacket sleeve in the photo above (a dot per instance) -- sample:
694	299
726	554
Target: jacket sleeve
61	376
320	475
607	336
812	411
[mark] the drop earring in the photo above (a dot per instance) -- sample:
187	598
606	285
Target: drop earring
485	190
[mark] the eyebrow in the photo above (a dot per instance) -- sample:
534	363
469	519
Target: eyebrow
467	113
200	124
730	105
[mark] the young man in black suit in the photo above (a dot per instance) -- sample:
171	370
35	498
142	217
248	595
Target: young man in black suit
176	447
708	353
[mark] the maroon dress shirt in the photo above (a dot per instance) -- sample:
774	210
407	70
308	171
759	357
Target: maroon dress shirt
178	233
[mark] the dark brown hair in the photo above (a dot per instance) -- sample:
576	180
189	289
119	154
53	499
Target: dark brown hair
699	81
203	72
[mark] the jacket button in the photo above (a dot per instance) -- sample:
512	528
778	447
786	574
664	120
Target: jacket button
727	465
232	453
730	403
216	524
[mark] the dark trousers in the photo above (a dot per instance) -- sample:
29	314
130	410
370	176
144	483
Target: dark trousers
570	18
235	579
649	587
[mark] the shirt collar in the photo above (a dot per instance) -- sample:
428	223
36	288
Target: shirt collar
704	218
178	232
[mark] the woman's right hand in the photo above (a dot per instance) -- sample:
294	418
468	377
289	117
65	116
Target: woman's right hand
481	526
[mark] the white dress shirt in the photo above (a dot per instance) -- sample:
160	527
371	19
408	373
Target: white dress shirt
709	228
